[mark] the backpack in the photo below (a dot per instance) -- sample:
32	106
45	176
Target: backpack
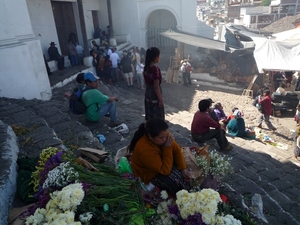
188	68
76	106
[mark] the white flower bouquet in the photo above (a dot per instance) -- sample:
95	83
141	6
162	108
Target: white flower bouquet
61	207
205	203
61	176
219	164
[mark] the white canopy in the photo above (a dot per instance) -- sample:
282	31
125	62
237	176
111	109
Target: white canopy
194	40
282	53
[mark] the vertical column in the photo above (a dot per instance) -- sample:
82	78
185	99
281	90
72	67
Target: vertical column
6	35
17	42
20	19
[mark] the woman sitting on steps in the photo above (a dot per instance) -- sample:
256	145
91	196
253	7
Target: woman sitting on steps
157	159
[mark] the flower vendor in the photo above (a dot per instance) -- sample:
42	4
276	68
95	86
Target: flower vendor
157	158
236	126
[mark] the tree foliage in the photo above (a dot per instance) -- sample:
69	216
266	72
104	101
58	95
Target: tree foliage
265	2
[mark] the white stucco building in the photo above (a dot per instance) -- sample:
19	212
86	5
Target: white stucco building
30	25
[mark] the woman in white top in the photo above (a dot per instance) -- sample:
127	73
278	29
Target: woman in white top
139	75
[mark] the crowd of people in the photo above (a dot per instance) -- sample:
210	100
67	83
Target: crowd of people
112	65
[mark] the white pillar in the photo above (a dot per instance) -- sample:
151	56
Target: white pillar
23	73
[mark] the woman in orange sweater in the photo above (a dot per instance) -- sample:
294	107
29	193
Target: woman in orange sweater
157	158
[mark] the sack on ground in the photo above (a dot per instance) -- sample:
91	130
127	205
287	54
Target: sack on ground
191	162
76	106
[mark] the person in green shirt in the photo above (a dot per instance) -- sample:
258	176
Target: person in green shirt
98	104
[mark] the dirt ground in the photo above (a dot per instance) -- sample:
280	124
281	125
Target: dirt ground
188	97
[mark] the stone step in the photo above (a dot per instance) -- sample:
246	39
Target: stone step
8	169
264	175
258	168
52	127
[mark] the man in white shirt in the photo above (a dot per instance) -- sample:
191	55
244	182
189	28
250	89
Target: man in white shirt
186	69
108	50
115	59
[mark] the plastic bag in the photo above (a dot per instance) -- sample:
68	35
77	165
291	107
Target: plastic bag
122	129
124	166
257	207
101	138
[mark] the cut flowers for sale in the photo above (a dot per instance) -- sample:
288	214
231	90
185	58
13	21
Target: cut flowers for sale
218	165
68	193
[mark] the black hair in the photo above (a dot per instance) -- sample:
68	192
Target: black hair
267	91
235	108
151	55
203	105
282	85
87	81
217	105
80	78
153	127
107	57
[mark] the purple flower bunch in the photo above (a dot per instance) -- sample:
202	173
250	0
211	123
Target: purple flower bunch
43	196
54	159
190	220
50	164
86	186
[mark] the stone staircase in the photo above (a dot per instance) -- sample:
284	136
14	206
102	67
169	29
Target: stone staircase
258	168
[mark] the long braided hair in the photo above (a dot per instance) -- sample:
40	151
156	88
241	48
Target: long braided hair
153	127
151	55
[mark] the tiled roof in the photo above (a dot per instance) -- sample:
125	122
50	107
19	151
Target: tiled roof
284	24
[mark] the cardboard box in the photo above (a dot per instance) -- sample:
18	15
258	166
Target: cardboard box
96	155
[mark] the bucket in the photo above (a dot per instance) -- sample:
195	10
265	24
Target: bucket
277	113
112	42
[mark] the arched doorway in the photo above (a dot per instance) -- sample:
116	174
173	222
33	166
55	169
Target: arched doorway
159	21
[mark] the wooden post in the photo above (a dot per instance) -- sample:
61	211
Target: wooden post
83	29
111	28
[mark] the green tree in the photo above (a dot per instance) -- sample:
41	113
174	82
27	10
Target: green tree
265	2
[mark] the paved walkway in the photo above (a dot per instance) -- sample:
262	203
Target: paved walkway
258	168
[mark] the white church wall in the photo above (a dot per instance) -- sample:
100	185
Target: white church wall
43	24
29	78
88	7
188	13
205	30
131	17
125	16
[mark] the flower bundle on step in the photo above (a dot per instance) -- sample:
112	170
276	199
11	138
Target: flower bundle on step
200	208
68	193
219	165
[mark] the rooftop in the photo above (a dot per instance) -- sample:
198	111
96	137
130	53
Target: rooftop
284	24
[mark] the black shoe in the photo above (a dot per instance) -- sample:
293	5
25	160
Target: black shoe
114	123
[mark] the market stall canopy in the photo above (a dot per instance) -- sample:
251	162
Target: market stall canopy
195	40
278	54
